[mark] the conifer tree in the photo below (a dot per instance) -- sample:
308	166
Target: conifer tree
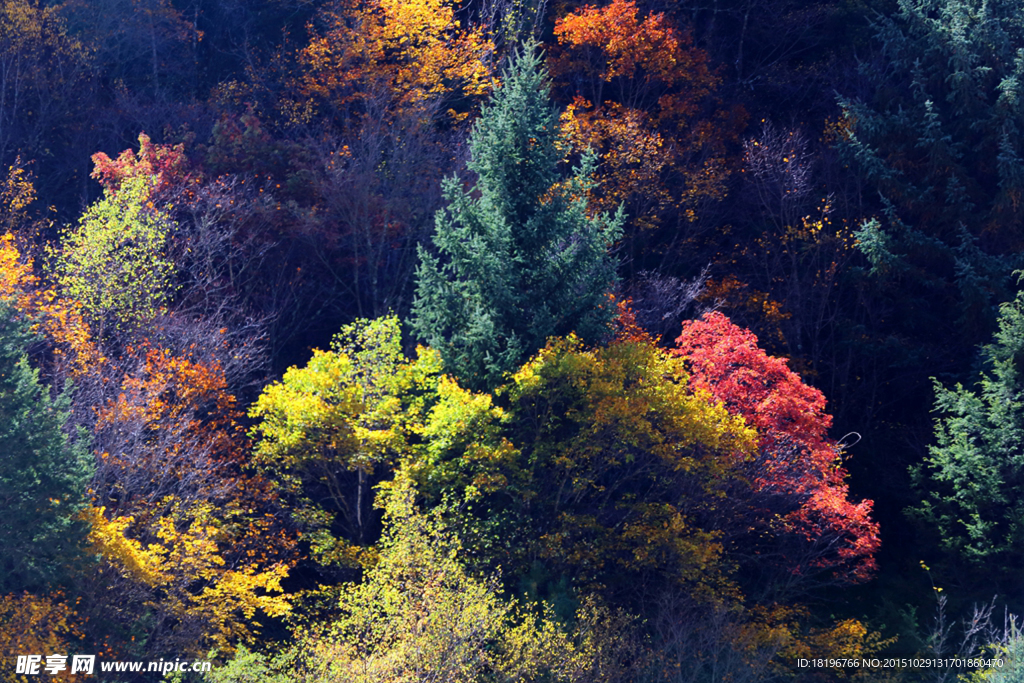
519	258
42	475
940	140
937	135
973	478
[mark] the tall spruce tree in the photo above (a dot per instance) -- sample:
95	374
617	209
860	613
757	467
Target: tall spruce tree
43	475
519	259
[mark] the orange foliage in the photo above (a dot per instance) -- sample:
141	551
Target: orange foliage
627	329
75	353
644	99
173	391
731	294
60	320
634	154
172	429
627	45
415	52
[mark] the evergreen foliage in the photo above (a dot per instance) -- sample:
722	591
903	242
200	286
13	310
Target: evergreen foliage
42	475
940	141
973	479
520	258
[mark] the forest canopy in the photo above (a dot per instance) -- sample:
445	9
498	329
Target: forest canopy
511	341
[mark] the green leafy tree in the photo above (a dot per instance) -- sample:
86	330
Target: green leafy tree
520	258
973	478
420	615
43	474
115	262
330	430
593	469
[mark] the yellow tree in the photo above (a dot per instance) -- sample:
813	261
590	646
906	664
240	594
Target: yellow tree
414	54
595	466
329	430
191	545
116	261
420	614
188	580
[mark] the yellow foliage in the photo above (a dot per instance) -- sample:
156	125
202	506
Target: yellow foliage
603	456
35	625
309	413
17	193
188	574
15	273
844	639
628	382
107	540
414	51
326	428
468	423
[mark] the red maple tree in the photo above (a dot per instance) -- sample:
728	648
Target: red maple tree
797	477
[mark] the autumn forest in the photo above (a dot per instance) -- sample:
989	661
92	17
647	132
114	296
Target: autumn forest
512	341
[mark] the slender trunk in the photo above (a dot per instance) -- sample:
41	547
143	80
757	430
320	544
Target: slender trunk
739	51
156	73
359	505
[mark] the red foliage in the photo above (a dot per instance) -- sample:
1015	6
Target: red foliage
166	165
627	329
798	465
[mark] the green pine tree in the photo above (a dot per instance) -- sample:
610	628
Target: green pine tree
940	141
519	258
973	478
43	475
